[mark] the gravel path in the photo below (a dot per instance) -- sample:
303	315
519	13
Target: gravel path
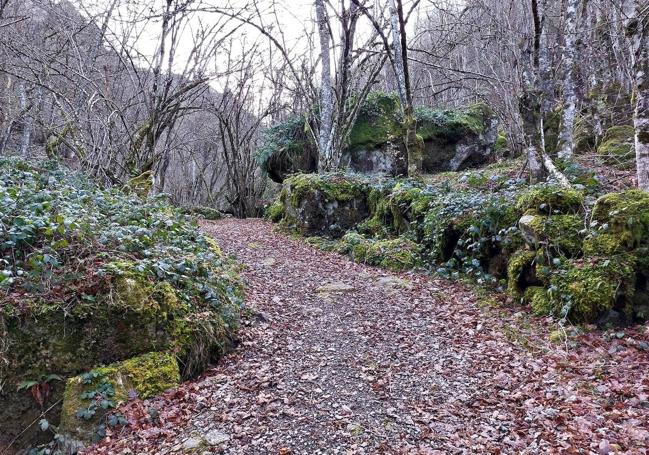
340	358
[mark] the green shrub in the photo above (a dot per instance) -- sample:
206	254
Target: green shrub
71	250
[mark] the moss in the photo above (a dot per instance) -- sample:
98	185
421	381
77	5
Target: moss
561	233
617	147
551	199
275	211
517	269
322	243
145	376
332	187
381	221
207	213
585	290
451	125
140	185
625	214
354	245
537	297
377	122
603	244
501	144
395	254
408	204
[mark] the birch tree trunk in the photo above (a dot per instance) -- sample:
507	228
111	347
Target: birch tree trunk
638	29
566	141
325	156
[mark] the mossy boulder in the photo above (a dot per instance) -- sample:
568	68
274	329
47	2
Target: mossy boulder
457	139
140	185
585	290
288	148
89	397
93	276
354	245
324	204
625	215
551	199
377	122
617	147
560	233
393	254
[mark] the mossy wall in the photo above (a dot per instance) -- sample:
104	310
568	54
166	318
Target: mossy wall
90	276
549	246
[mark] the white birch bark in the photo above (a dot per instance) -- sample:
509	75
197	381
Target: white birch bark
638	29
325	161
566	141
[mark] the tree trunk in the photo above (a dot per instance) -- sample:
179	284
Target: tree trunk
26	122
326	158
413	144
566	140
638	29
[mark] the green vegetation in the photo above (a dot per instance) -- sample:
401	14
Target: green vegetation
91	276
539	242
89	397
550	199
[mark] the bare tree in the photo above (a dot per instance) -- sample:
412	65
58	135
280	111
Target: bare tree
638	30
569	92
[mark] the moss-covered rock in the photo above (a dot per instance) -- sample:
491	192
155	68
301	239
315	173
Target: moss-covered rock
288	148
560	233
551	199
456	139
603	244
617	147
584	290
140	185
90	396
377	122
537	297
520	272
324	204
625	215
354	245
393	254
275	211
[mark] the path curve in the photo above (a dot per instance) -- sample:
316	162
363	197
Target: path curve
377	363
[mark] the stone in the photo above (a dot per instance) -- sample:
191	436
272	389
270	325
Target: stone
192	443
216	437
269	262
145	376
335	287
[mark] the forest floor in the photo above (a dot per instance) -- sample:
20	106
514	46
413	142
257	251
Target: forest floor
341	358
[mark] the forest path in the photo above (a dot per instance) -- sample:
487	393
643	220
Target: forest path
339	357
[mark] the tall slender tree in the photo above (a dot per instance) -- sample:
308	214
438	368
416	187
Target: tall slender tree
325	161
566	141
638	30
